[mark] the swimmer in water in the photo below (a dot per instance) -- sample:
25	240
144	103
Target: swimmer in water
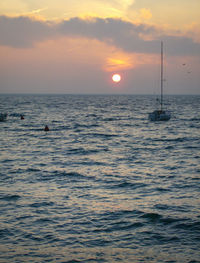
46	128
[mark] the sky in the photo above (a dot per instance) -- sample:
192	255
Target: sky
75	47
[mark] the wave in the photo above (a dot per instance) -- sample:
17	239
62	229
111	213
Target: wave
179	139
69	174
125	185
80	127
41	204
74	261
173	222
119	226
6	233
15	114
152	217
59	175
82	151
191	226
120	214
9	198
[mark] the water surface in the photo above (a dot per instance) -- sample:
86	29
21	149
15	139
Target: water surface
104	184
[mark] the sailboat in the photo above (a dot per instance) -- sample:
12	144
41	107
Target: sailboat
161	114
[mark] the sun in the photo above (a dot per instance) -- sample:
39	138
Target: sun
116	78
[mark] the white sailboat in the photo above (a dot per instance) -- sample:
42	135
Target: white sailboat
161	114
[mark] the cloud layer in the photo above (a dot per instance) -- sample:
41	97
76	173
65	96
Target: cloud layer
24	32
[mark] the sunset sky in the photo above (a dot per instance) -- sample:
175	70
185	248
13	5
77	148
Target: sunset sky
67	46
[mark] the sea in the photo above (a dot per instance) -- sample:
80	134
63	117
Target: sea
104	184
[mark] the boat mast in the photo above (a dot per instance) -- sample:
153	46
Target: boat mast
161	77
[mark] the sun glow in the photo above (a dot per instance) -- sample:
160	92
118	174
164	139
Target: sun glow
116	78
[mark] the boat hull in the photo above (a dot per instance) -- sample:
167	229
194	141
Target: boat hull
159	115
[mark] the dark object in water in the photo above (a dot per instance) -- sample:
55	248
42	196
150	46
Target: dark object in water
3	116
46	128
22	117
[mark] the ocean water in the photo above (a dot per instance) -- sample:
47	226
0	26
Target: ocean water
104	184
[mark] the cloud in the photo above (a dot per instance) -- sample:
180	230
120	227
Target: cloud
122	34
20	32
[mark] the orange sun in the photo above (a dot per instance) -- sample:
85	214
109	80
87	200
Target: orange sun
116	78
